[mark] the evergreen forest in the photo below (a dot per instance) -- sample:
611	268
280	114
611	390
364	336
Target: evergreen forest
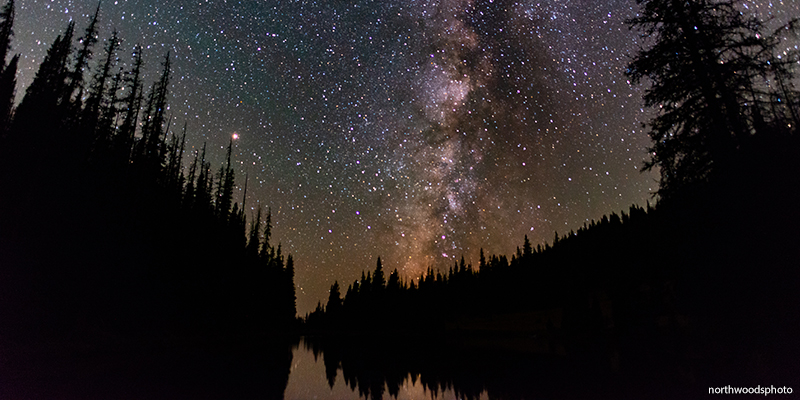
110	226
113	231
699	286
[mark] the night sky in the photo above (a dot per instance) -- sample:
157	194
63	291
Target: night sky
418	131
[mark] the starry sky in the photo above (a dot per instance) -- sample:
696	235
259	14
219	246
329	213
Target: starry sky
418	131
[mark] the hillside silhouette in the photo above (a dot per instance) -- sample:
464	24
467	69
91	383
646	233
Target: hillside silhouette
111	228
701	287
115	237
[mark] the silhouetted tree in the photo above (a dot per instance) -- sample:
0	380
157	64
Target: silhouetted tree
334	299
131	105
378	280
73	96
6	30
202	190
393	284
44	94
703	67
254	241
527	250
290	294
173	178
265	247
185	251
8	91
98	93
149	149
8	71
225	187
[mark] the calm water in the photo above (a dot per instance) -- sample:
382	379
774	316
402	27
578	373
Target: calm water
402	368
308	380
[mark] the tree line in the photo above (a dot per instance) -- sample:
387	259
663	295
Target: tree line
544	277
109	227
707	272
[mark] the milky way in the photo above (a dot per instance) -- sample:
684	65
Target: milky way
418	131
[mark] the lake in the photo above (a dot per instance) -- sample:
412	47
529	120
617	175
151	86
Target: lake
308	380
395	367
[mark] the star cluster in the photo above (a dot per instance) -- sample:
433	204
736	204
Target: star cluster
418	131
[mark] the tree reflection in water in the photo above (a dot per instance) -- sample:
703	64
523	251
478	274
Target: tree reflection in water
416	368
311	378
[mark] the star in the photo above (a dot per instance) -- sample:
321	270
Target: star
433	129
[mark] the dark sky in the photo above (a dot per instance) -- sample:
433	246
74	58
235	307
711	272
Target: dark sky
418	131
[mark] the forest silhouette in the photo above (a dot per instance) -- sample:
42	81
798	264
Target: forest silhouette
113	232
700	287
105	230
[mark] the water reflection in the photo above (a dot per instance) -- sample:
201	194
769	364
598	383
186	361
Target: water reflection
493	368
438	368
309	380
353	368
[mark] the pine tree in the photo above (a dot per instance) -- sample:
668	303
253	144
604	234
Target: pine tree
94	110
189	191
378	280
366	284
334	299
173	170
393	283
131	103
202	192
527	249
225	187
8	72
703	67
254	241
290	293
149	147
6	31
45	92
73	96
265	247
8	91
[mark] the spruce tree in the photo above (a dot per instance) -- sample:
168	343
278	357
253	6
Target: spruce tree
43	95
706	70
73	96
92	112
393	283
290	293
334	299
225	187
378	280
98	113
131	103
8	71
153	130
527	249
8	90
265	247
6	31
189	191
254	241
